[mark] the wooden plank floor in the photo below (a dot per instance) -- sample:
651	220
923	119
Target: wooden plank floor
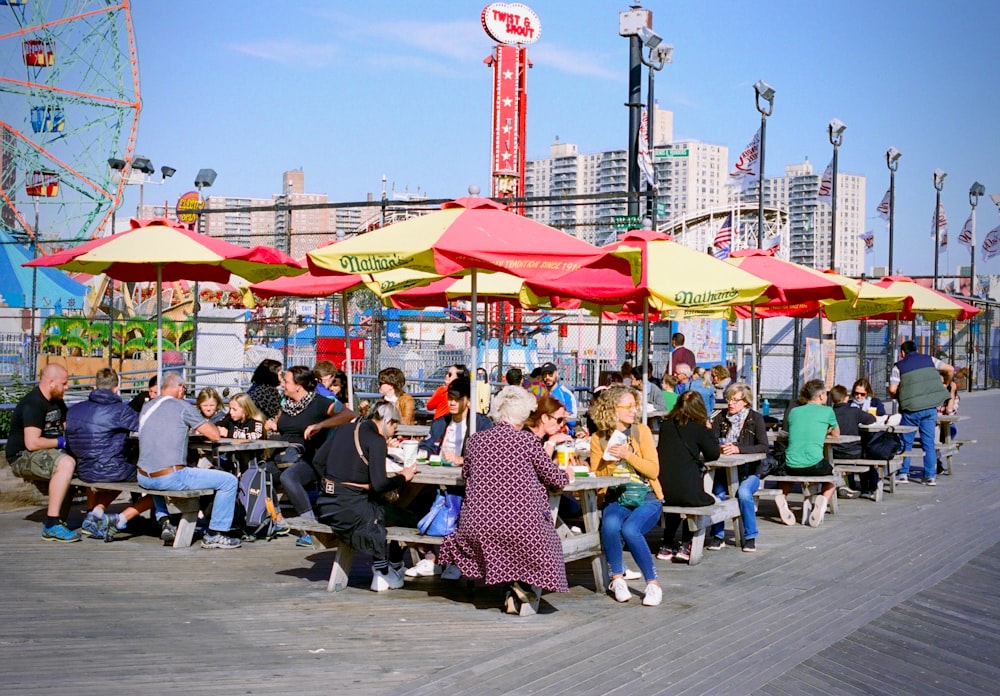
864	604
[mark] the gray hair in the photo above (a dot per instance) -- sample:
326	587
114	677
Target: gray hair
385	412
172	379
513	405
684	369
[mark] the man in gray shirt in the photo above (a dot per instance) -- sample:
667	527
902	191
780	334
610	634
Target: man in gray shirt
164	425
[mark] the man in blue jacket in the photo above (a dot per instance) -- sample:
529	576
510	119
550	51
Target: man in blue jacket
96	431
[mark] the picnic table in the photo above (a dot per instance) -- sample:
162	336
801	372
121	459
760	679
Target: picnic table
576	546
215	449
730	462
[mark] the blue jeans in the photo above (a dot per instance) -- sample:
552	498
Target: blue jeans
748	513
926	422
619	523
189	478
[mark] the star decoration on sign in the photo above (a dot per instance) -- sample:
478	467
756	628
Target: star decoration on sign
507	74
507	101
505	129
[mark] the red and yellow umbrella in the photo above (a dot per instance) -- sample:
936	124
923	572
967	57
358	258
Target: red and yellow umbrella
927	302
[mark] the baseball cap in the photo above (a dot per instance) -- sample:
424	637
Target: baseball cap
548	368
459	387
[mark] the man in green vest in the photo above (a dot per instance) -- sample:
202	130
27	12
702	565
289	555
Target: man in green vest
916	384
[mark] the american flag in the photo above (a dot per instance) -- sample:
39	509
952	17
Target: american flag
883	207
723	241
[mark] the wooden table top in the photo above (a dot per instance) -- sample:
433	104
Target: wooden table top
452	476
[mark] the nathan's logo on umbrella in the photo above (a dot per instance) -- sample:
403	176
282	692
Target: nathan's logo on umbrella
352	263
708	297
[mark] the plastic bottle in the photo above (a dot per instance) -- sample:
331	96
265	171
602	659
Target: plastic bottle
765	408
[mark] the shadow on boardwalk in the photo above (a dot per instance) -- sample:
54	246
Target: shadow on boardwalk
897	597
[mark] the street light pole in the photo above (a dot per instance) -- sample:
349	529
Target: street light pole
892	156
939	175
629	24
836	132
975	192
764	91
659	55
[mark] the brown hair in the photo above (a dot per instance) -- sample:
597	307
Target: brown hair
720	372
838	394
690	408
810	390
546	406
395	378
604	410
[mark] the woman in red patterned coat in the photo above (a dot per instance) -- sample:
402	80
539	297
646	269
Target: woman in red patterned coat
505	532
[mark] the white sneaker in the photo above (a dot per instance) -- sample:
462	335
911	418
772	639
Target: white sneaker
818	511
653	596
784	512
382	582
425	568
632	574
451	572
620	590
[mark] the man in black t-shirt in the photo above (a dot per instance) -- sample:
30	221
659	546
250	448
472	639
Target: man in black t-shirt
140	399
36	447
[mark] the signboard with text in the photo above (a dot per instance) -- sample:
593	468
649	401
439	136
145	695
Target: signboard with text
513	24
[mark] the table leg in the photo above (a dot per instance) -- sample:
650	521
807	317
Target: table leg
592	524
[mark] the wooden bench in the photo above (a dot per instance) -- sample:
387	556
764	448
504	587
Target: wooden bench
702	518
811	485
944	454
184	502
326	538
884	469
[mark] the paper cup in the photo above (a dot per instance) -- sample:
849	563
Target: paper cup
409	448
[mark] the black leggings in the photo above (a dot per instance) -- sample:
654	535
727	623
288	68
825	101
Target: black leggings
294	480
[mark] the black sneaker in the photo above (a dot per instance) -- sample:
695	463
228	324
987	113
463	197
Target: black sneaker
749	546
683	554
715	544
168	532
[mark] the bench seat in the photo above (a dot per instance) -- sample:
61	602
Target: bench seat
326	538
811	485
701	518
885	469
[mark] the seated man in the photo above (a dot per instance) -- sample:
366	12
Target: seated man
96	430
140	399
36	447
164	425
849	419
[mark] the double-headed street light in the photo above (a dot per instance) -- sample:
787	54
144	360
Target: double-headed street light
975	193
939	175
764	91
140	173
659	55
836	132
892	156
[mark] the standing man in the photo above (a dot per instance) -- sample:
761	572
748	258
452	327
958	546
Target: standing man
36	448
96	430
916	384
680	355
164	425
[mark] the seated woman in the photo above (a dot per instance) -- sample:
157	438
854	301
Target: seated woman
808	426
303	414
210	404
505	532
439	399
721	381
448	436
392	387
264	387
685	441
740	430
354	481
861	397
622	444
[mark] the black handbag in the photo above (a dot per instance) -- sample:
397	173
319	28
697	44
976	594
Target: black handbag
884	444
774	461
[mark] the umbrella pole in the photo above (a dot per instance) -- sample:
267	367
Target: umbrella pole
645	358
347	348
159	325
755	353
473	396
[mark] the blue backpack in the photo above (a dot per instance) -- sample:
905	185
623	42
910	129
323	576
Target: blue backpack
257	498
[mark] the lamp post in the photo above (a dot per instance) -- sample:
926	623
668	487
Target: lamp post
204	179
659	55
939	175
836	132
139	173
975	193
892	156
764	91
629	23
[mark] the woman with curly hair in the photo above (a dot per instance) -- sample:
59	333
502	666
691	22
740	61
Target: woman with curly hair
623	445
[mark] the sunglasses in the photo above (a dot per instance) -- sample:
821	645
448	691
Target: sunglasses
857	393
560	420
632	407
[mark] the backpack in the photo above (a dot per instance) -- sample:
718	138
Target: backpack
256	498
884	444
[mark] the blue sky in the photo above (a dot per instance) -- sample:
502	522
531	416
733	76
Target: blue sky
352	91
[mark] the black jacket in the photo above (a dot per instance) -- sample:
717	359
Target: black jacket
680	451
96	430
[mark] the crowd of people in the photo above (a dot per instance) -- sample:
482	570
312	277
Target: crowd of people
339	468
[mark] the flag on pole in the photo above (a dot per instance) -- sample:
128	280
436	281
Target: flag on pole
991	243
869	239
942	224
883	207
825	191
746	171
723	241
645	158
984	286
774	243
965	237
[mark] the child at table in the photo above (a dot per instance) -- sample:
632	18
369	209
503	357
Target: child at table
949	407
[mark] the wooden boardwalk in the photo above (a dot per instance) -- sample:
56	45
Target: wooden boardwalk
894	598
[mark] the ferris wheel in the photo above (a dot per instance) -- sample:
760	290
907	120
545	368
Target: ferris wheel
69	102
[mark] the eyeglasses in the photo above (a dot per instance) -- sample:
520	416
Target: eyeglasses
630	407
735	399
857	393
